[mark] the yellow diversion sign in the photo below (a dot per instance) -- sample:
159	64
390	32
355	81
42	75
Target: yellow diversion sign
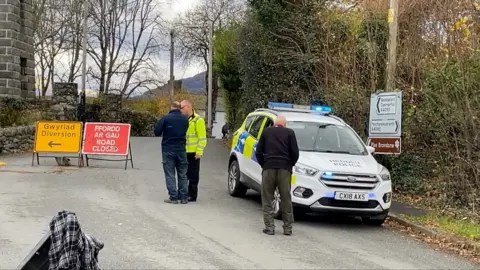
58	137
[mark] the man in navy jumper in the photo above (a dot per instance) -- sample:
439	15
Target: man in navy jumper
173	127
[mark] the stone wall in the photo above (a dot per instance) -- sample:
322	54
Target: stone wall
65	102
17	63
16	139
111	108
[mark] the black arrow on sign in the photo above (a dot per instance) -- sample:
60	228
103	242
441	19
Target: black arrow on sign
396	123
52	144
378	104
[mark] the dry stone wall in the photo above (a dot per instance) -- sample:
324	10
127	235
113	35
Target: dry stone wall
16	139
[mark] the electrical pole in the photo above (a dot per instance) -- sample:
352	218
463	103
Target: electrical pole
210	80
392	44
84	47
172	63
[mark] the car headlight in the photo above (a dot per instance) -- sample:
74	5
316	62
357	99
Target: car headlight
385	174
303	169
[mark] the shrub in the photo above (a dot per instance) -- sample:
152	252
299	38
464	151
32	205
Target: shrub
164	101
142	122
12	111
145	105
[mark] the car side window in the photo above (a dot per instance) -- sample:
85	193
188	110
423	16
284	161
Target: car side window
256	126
249	121
269	123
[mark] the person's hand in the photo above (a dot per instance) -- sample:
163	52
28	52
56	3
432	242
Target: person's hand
198	156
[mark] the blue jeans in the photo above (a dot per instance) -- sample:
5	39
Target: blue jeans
176	161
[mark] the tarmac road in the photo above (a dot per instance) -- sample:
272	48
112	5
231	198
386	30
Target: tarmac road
125	209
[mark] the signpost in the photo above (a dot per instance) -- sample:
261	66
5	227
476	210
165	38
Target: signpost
108	139
385	125
57	137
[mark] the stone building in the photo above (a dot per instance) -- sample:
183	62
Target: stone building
17	62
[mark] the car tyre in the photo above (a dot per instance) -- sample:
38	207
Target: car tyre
375	220
235	187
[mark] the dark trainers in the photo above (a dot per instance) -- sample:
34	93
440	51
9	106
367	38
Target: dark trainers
268	231
170	201
184	201
190	199
287	232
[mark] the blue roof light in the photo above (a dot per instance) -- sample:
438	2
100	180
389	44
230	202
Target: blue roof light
324	109
313	108
272	105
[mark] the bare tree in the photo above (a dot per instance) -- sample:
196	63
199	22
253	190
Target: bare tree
192	33
122	42
191	29
49	38
73	41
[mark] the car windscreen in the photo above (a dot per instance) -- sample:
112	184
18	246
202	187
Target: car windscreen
326	138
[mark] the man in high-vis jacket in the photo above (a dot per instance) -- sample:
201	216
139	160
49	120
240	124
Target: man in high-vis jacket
196	143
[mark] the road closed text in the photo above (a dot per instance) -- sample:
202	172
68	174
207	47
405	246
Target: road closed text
106	139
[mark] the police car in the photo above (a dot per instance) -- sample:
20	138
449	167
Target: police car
336	172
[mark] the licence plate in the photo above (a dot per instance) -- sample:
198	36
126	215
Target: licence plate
351	196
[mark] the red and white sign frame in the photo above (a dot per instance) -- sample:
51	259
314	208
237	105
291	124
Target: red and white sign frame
87	137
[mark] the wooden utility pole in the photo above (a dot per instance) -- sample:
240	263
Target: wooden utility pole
392	44
172	65
210	81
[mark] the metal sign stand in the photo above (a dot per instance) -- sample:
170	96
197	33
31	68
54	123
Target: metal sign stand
128	157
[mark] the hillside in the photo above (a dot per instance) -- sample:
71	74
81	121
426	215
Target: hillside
195	84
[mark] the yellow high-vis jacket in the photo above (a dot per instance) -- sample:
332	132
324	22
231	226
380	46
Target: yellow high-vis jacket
196	135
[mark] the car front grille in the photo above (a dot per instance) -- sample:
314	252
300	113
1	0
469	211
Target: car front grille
371	204
350	181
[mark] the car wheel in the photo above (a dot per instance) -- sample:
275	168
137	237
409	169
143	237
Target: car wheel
376	220
277	205
235	187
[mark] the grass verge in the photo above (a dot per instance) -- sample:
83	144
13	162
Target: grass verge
461	228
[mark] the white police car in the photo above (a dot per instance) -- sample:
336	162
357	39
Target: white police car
335	173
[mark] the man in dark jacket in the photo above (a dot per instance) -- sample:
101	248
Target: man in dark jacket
277	152
174	127
224	131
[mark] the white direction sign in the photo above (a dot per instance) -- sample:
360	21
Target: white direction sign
385	115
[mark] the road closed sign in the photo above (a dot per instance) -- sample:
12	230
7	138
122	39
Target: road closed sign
106	139
58	137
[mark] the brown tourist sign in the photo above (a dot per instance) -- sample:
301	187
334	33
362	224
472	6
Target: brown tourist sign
392	145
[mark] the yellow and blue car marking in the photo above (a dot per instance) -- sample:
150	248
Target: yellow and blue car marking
245	138
240	141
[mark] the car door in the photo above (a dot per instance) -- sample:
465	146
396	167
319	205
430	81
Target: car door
256	168
249	148
238	142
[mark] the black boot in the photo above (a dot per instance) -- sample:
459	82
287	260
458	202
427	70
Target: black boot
269	231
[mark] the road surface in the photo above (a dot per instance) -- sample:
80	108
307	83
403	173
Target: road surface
125	209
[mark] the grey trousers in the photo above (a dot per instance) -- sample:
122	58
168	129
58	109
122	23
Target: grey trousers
281	179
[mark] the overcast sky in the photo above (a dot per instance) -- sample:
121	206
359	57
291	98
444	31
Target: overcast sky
172	10
169	12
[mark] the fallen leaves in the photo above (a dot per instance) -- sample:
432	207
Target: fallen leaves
439	243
